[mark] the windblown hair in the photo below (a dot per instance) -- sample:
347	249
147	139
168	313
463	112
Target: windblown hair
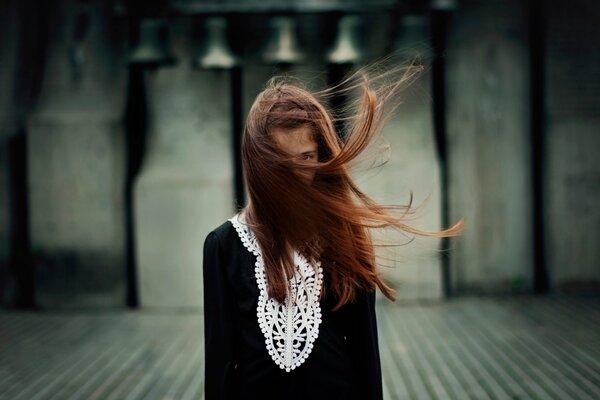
330	218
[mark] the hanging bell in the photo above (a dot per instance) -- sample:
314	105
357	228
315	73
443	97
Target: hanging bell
283	45
443	5
346	49
216	52
152	47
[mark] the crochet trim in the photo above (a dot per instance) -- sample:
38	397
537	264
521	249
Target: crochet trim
290	329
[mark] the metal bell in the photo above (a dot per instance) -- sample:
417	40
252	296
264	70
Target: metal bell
283	44
217	53
443	5
346	49
152	47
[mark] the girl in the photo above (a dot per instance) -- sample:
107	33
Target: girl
289	282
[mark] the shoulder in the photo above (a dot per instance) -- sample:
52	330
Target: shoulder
219	246
223	249
224	233
224	230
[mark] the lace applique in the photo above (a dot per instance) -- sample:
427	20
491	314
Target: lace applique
290	329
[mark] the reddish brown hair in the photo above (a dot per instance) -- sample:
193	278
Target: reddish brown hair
330	218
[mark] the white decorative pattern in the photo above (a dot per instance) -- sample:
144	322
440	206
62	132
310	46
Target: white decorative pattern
290	329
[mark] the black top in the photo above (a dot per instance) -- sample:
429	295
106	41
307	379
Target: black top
344	363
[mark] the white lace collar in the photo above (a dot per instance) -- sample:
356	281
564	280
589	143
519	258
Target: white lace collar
290	329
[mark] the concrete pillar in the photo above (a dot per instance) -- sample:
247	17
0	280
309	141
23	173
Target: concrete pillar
8	130
572	165
185	187
76	164
488	146
413	269
8	52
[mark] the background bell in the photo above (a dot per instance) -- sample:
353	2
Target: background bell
346	49
152	47
443	5
283	44
216	52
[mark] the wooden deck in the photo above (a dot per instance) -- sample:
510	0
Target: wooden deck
465	348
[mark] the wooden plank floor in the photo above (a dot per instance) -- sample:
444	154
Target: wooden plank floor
466	348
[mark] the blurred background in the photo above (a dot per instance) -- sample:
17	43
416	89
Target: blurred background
120	127
121	121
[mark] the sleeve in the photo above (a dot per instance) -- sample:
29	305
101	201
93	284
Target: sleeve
219	360
366	348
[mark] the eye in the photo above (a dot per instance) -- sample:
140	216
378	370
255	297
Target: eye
308	156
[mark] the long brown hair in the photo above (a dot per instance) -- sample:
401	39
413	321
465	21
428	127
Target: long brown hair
330	218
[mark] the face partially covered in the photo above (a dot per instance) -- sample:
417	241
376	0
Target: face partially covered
299	143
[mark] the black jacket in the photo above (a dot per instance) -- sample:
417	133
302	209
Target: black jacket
344	363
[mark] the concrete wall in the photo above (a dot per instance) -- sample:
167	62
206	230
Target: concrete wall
572	162
185	187
411	165
76	167
488	132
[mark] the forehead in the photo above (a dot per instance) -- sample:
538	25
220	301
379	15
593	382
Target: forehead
295	140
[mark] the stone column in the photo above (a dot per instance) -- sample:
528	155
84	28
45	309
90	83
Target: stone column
185	187
8	131
488	108
76	165
572	163
411	165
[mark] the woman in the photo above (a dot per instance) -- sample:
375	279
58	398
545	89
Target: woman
289	282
